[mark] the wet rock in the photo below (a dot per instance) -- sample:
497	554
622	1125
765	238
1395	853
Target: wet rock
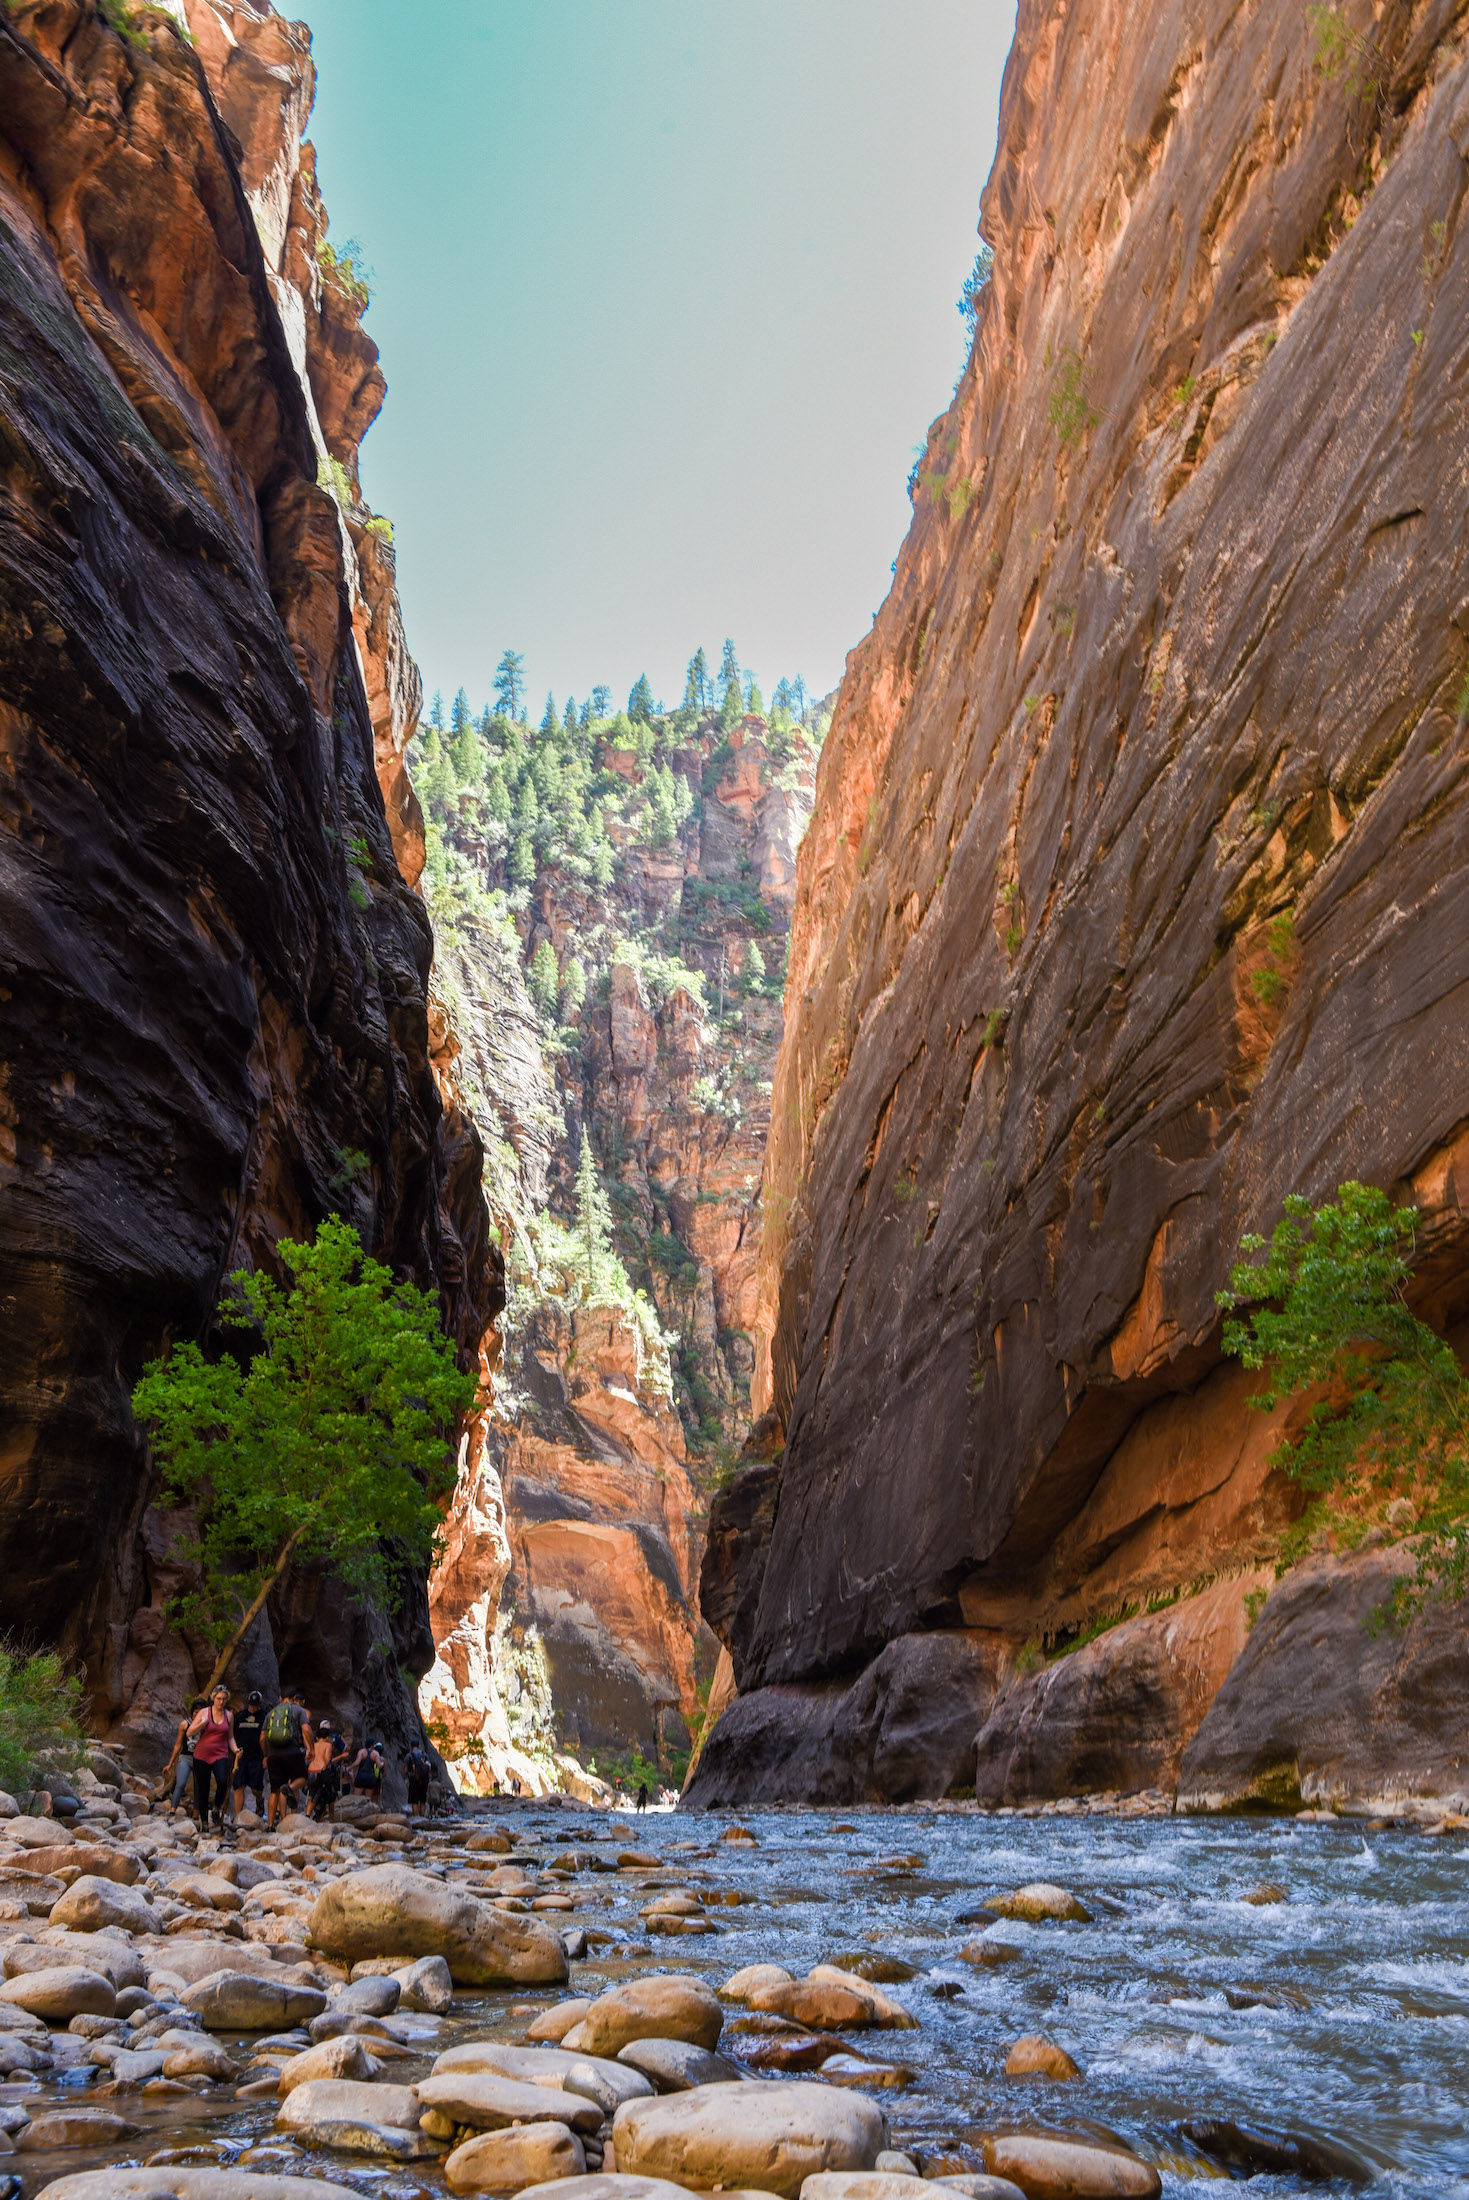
674	2066
488	2101
554	2024
772	2135
843	2069
84	1857
985	1954
1070	2169
980	2187
868	2184
611	2187
427	1985
242	2001
1257	2152
877	1969
1041	1901
505	2161
61	1993
134	2066
389	1909
597	2079
361	2135
738	1985
200	2059
673	2007
50	2129
1265	1898
895	2163
345	2057
334	2100
1035	2057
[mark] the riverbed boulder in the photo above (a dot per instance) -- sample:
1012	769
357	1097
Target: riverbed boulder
51	2129
1035	2057
1049	2168
389	1909
753	1975
506	2161
343	2057
488	2101
184	2182
771	2135
1041	1901
595	2077
61	1993
242	2001
346	2100
553	2025
109	1952
673	2065
92	1904
672	2007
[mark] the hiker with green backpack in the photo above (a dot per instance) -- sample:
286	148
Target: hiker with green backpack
287	1737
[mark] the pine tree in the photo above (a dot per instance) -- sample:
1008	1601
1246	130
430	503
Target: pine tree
729	663
440	781
732	710
466	751
664	826
522	864
604	862
696	680
527	808
497	796
510	683
640	702
573	988
593	1226
798	695
543	979
459	718
754	700
601	701
569	715
754	967
780	701
436	712
550	723
586	716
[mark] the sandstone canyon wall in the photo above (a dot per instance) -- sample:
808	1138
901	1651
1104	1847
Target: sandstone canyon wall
213	969
1135	899
565	1610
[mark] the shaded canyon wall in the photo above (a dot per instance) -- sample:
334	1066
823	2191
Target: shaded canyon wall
1135	899
213	968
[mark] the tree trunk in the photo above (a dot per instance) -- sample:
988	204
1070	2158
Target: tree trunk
221	1663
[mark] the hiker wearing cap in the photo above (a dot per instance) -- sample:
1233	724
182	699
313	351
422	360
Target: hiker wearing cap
250	1760
287	1737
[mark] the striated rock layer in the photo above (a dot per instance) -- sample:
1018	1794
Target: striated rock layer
212	969
1135	896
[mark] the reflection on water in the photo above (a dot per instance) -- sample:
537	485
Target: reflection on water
1340	2014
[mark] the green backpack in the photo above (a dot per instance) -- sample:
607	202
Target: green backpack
282	1729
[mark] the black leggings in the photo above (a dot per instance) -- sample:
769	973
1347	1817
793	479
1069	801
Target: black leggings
205	1777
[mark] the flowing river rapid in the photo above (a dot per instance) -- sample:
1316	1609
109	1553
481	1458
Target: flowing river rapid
1338	2015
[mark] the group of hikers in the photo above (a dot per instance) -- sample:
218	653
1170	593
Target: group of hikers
280	1753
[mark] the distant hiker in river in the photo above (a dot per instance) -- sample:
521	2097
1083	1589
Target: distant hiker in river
323	1774
212	1737
287	1737
642	1795
181	1763
418	1766
367	1768
250	1754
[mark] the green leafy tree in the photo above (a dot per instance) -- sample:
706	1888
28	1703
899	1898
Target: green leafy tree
754	970
593	1232
1326	1313
497	796
573	988
527	807
436	712
510	683
459	718
604	862
697	686
440	780
543	979
522	864
663	826
640	702
467	754
334	1440
568	716
972	295
729	664
41	1733
550	723
601	701
754	700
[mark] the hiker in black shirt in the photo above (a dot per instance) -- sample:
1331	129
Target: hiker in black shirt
250	1762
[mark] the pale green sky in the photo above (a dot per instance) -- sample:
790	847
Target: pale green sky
665	297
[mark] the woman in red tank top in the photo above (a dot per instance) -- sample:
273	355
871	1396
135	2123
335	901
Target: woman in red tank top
212	1733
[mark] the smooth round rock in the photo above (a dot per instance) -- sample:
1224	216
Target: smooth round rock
739	1984
50	2129
242	2001
506	2161
554	2024
1040	1901
608	2187
1032	2056
1069	2169
186	2184
63	1993
360	2135
369	1997
343	2100
674	2066
344	2057
674	2007
92	1904
390	1910
772	2135
488	2101
109	1952
866	2184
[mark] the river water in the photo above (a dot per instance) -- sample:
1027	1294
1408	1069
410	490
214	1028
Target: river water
1339	2014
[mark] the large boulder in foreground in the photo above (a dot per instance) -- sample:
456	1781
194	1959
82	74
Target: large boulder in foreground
389	1910
771	2136
1318	1710
186	2184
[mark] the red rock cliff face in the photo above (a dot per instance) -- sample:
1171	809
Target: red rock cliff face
1135	896
212	969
